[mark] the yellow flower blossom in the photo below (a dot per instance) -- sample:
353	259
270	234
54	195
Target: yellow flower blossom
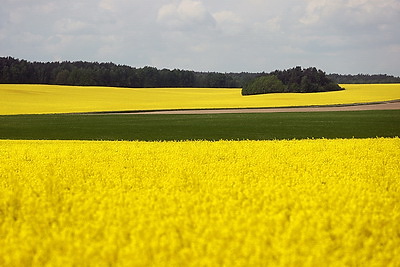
198	203
39	99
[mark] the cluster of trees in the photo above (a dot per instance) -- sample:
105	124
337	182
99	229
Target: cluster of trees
109	74
295	80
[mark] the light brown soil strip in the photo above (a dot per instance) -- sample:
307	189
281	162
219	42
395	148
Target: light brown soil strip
381	106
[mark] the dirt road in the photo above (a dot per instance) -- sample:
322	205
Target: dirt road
390	105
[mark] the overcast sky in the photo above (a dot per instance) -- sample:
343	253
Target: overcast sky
337	36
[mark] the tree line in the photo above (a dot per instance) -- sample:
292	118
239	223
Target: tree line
363	78
14	70
109	74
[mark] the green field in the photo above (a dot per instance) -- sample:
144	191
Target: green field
261	126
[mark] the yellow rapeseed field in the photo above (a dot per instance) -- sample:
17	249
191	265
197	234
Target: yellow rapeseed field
38	99
197	203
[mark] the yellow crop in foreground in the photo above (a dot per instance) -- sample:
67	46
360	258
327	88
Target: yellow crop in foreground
225	203
36	99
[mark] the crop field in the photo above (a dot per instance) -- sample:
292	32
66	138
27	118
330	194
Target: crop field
268	189
261	126
198	203
40	99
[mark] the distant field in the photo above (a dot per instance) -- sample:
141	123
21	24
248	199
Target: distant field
262	126
42	99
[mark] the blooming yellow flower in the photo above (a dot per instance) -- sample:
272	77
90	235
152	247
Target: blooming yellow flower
37	99
197	203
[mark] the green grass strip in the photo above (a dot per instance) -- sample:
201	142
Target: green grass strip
261	126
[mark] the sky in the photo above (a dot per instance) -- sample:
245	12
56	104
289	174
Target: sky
340	36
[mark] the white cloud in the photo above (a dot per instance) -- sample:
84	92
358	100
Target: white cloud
71	26
314	11
351	14
229	22
273	25
185	15
349	26
108	5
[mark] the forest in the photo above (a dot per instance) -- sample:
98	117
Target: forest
14	70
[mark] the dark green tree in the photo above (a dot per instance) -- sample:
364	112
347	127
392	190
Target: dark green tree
263	85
